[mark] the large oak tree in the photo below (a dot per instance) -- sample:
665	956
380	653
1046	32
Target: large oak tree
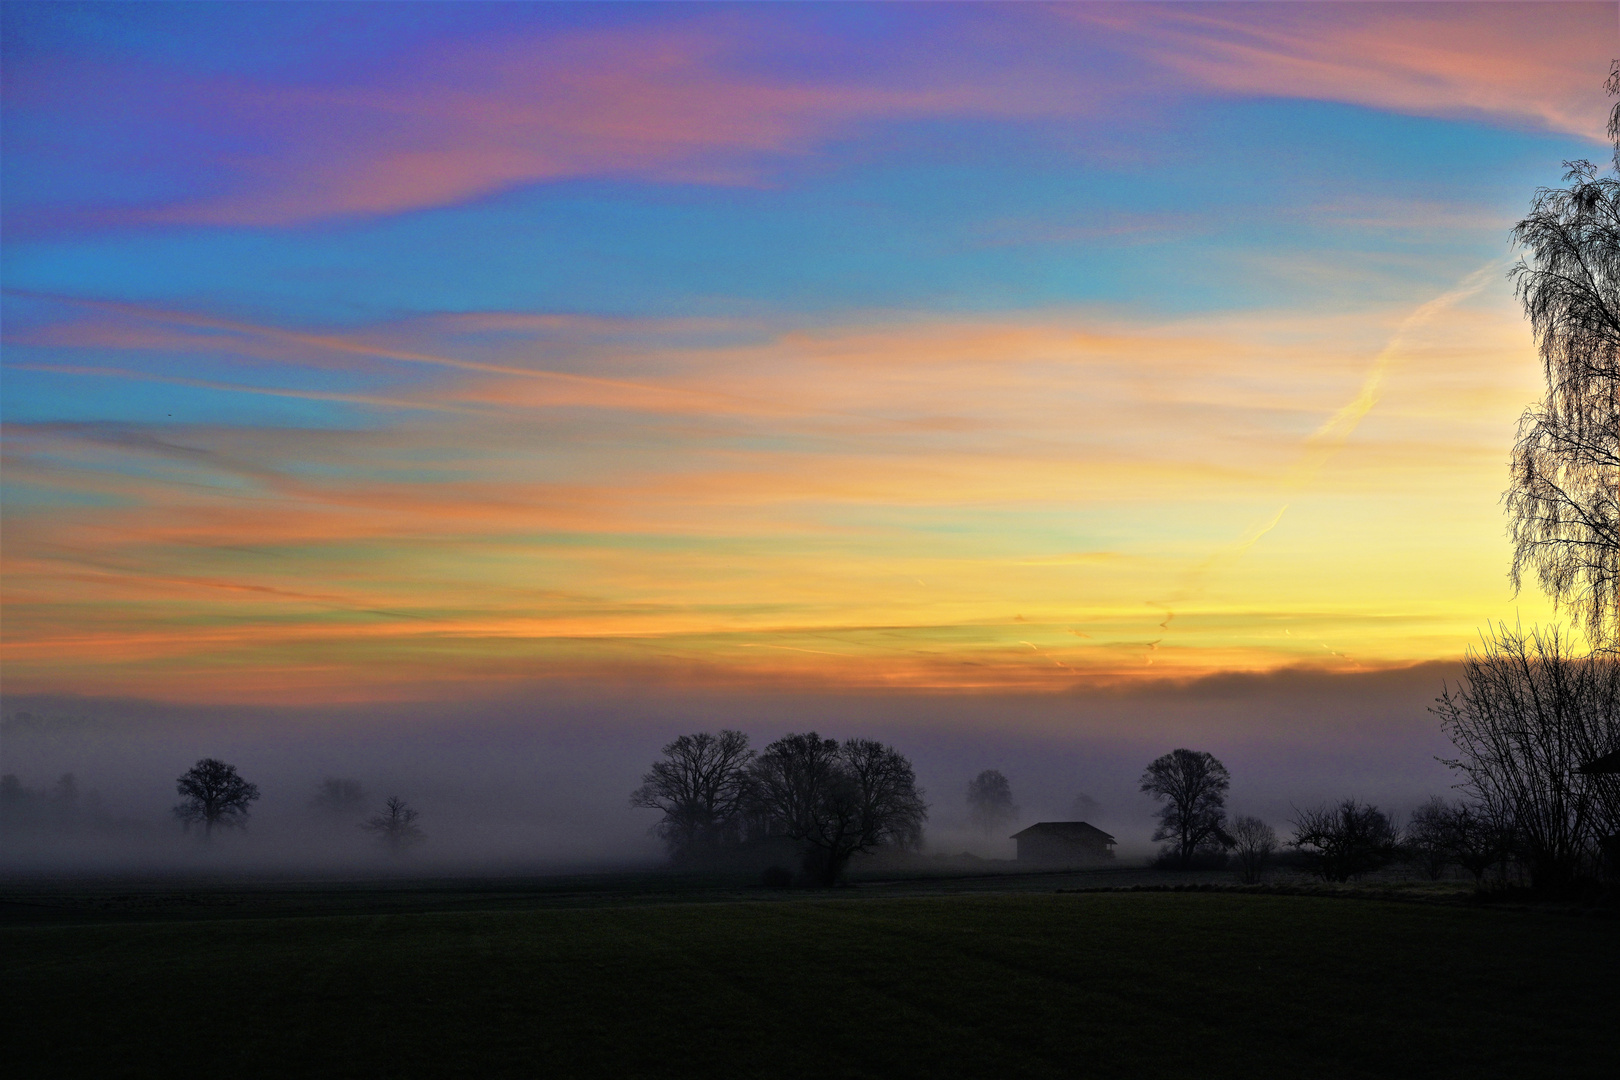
837	799
700	786
213	794
1192	784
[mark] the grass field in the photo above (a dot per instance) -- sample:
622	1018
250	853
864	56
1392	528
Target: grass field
994	985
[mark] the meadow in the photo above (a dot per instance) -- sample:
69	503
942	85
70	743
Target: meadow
503	982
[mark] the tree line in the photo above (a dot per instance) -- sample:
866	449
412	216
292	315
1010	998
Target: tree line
61	808
1335	842
829	801
1529	723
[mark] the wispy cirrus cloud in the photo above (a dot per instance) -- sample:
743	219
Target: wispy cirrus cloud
1538	64
919	374
730	99
693	101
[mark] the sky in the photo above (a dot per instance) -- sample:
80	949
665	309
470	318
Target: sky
371	353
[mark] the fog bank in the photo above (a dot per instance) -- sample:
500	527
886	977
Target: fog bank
540	780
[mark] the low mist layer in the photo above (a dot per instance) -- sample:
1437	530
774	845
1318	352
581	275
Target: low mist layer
542	781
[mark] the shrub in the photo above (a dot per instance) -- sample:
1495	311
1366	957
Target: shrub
1347	840
1256	843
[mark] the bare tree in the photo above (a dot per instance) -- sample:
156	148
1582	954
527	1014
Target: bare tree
837	800
793	783
990	801
701	786
396	826
1192	784
1347	840
892	807
1430	837
1597	741
1255	844
1563	501
1477	839
212	793
61	807
1526	717
339	795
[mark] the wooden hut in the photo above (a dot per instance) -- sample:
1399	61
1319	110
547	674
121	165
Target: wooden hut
1064	842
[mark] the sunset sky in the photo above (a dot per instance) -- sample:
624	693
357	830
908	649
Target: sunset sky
380	352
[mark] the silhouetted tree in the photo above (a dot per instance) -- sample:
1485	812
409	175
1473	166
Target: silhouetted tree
1429	839
1524	719
339	795
990	802
837	799
1600	778
702	787
1254	843
16	805
1347	840
68	805
22	808
1085	808
1192	784
396	826
1476	839
1563	501
212	793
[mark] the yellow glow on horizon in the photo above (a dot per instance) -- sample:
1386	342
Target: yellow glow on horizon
1023	503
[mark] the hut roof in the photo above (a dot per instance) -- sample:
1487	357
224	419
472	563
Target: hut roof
1067	830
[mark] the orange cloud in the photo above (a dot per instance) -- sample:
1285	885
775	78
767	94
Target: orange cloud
905	492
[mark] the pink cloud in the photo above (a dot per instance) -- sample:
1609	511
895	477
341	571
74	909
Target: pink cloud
719	100
1537	65
482	117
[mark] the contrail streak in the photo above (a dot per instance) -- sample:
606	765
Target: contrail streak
1321	444
1338	428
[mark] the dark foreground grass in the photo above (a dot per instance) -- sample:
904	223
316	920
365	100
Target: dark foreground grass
1106	985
